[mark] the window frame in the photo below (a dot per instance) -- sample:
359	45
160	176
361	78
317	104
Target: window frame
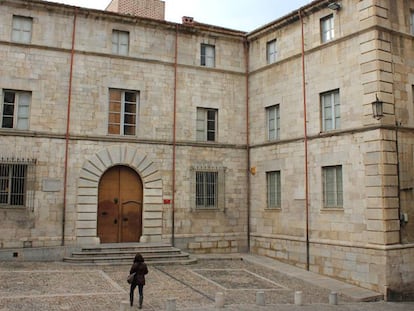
332	121
25	187
18	32
122	112
273	111
336	187
271	51
205	59
20	116
327	28
203	124
220	189
274	190
117	44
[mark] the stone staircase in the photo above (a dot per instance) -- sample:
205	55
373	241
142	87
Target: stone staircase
124	253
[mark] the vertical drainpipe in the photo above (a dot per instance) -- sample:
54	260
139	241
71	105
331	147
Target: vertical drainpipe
174	138
246	57
305	141
65	178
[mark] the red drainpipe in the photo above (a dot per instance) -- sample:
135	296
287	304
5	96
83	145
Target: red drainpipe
306	142
65	179
246	57
174	139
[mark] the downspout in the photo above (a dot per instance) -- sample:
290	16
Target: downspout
305	129
174	138
65	178
246	57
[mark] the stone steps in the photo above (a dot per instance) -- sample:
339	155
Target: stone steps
124	253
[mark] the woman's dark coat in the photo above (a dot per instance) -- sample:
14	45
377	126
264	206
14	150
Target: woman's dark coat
140	269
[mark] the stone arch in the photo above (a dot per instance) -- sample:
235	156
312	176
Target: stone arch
87	192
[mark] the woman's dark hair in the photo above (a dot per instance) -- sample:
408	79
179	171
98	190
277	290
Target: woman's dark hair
138	258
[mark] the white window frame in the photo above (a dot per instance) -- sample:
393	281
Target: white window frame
207	55
274	193
120	42
22	29
327	28
273	122
207	124
119	118
271	51
16	110
332	186
208	184
331	110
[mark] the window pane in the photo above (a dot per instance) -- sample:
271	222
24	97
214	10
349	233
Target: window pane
206	189
273	189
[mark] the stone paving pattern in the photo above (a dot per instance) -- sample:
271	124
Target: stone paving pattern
59	286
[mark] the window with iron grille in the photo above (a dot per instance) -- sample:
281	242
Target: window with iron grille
273	189
208	55
332	186
17	178
15	110
123	112
22	29
412	22
209	189
120	42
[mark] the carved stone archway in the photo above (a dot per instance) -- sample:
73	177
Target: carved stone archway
87	192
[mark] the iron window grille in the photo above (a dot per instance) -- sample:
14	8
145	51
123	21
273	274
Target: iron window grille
17	183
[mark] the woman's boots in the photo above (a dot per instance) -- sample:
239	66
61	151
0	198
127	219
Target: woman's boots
141	299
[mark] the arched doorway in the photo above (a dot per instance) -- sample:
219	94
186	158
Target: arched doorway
119	206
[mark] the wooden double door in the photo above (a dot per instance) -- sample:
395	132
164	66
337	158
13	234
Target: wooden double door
119	206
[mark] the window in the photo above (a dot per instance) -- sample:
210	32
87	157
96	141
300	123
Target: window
327	28
330	107
207	55
120	42
271	51
15	110
16	183
273	122
332	187
206	124
273	189
412	22
209	188
22	29
123	109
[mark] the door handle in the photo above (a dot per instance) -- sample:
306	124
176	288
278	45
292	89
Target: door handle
116	200
125	219
115	221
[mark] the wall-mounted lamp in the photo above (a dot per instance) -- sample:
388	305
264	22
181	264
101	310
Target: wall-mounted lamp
377	108
335	6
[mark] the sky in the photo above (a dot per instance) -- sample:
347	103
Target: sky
245	15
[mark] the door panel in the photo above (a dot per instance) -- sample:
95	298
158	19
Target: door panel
120	206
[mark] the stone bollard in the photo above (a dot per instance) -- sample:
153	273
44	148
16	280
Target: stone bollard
170	305
125	306
219	300
333	298
260	298
298	298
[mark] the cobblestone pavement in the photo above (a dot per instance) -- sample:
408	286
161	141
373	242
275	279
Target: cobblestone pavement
58	286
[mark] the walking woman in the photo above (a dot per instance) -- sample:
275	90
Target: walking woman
140	269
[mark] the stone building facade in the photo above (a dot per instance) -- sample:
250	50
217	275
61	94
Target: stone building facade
228	141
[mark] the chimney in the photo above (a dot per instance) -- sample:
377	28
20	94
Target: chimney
143	8
187	20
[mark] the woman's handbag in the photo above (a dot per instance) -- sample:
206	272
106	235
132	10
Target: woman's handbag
130	278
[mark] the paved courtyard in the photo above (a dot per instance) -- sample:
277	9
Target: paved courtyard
59	286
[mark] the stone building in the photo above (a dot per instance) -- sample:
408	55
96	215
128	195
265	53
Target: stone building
117	128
